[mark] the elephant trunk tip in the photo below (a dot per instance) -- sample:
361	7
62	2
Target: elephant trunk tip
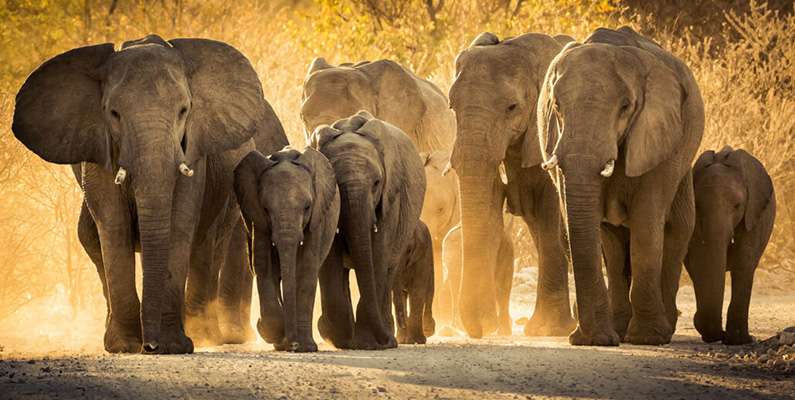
184	169
121	175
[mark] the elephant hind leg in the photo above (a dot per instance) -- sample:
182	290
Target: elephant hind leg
234	289
201	314
678	230
336	321
89	238
504	280
615	247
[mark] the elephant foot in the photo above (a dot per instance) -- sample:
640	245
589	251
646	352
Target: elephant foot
505	327
644	332
120	338
738	338
205	331
621	323
560	325
365	340
172	341
272	331
412	339
331	335
604	336
428	327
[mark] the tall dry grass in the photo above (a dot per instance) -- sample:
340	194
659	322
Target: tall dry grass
747	86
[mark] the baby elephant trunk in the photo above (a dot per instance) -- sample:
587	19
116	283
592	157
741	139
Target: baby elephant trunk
288	250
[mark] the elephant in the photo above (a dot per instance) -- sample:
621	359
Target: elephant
414	281
382	183
386	90
619	123
735	212
291	205
494	99
440	212
503	277
154	131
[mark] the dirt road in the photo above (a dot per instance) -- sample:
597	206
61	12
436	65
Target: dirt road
516	367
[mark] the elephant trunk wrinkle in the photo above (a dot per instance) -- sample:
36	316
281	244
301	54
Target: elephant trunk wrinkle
287	262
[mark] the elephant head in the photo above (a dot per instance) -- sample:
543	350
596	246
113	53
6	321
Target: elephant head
494	98
290	202
383	88
613	106
732	192
382	184
145	112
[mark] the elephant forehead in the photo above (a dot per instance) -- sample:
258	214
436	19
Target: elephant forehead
334	79
286	180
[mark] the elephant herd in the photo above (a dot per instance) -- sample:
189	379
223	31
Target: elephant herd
182	160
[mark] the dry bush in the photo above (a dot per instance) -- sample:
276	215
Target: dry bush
747	88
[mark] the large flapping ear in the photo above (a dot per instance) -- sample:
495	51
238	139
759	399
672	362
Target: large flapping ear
227	104
325	186
58	113
657	127
399	99
757	183
247	174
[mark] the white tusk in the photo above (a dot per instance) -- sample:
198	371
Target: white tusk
185	169
338	231
608	169
732	239
447	168
551	163
301	243
120	176
375	228
273	244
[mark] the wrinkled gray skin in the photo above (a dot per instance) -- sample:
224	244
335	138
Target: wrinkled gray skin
503	277
386	90
147	108
414	281
735	212
440	212
291	203
620	120
494	98
382	184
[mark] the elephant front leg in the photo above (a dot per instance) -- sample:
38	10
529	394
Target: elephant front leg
123	325
336	320
202	289
552	314
649	324
89	238
615	246
678	231
743	259
234	291
504	280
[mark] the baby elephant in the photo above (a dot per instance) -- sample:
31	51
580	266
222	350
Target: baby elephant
415	280
291	206
735	210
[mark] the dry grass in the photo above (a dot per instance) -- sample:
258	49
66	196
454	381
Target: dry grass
747	86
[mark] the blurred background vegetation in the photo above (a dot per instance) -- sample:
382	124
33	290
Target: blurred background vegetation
742	53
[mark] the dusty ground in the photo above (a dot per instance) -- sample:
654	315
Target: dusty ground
516	367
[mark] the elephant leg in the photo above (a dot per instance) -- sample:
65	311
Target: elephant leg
336	320
552	314
678	230
110	210
504	280
234	288
615	247
416	307
443	299
399	298
454	275
89	238
305	304
743	259
202	293
648	324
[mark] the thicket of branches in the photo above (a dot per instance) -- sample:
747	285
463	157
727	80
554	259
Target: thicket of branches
744	64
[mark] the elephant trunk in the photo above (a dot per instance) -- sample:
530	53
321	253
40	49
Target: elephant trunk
706	264
271	322
481	227
583	215
288	249
359	224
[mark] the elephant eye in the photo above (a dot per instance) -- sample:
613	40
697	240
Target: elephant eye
115	115
512	107
624	105
183	111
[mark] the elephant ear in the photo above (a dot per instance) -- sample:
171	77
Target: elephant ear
704	160
228	106
657	127
325	186
58	112
399	98
757	183
246	184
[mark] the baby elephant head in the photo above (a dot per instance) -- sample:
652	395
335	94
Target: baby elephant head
290	203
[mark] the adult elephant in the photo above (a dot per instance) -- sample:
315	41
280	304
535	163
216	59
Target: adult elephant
494	98
440	212
620	120
166	118
386	90
381	184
